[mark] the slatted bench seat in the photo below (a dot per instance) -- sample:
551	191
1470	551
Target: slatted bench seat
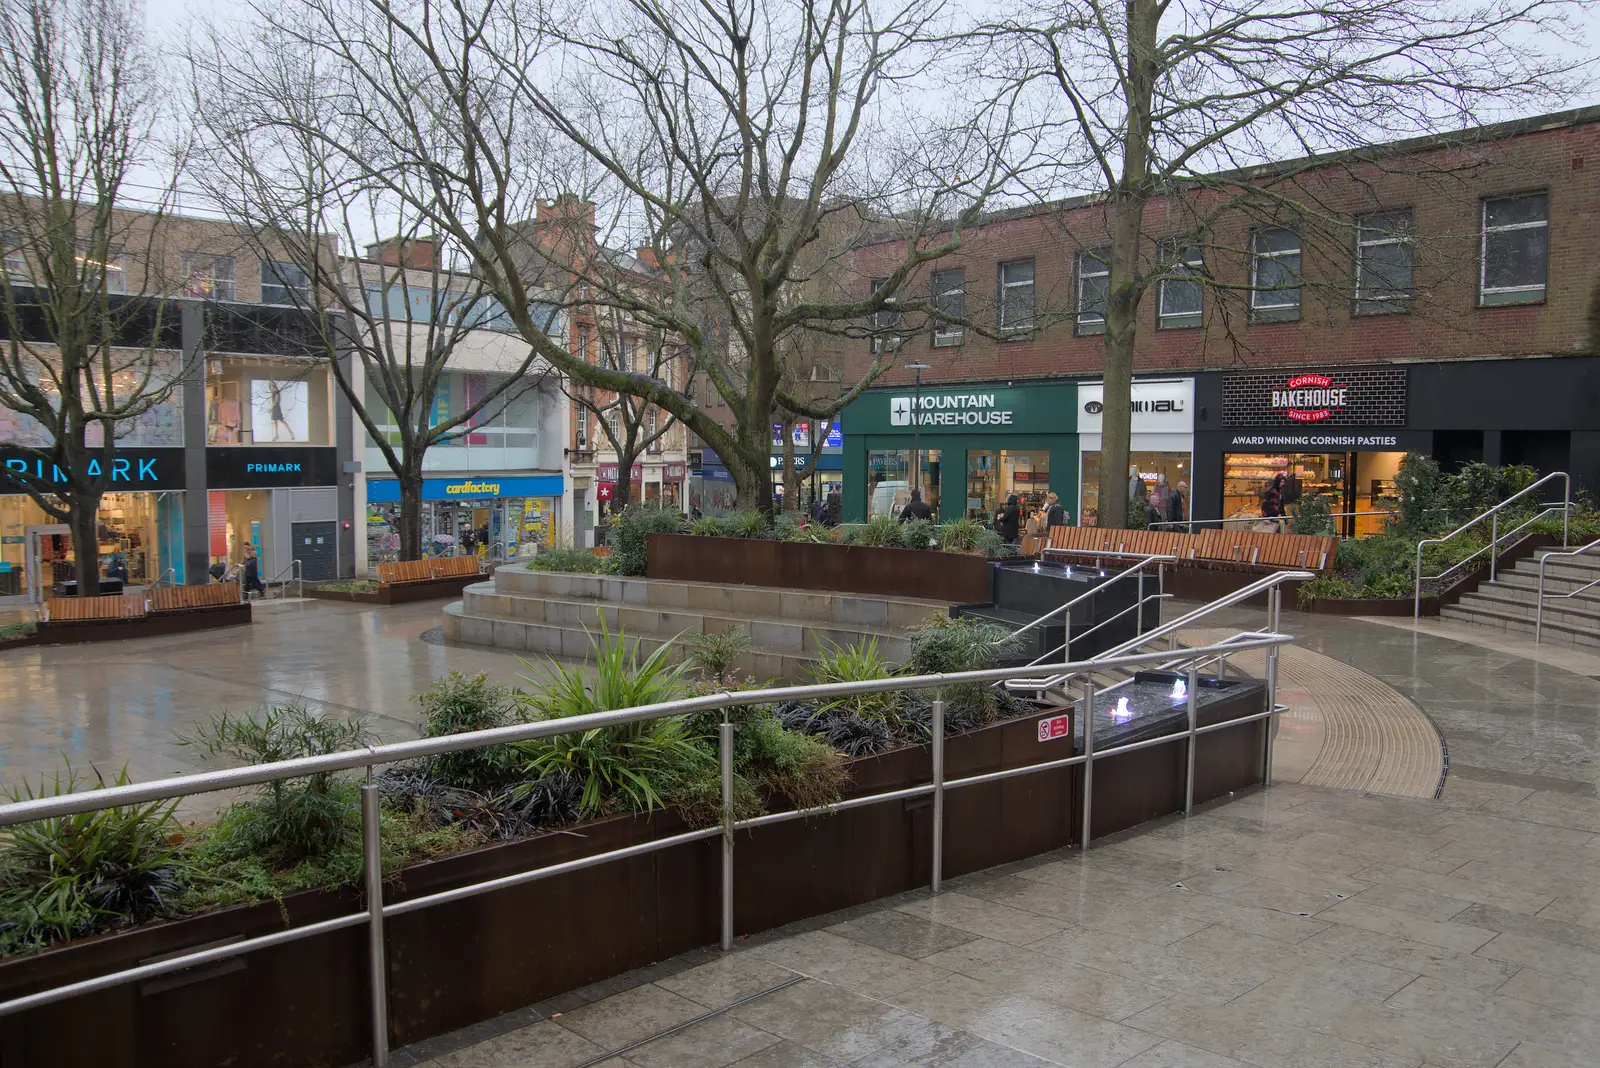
409	572
167	599
95	609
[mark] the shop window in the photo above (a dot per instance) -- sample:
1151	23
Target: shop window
992	476
284	283
1275	276
1383	263
208	276
950	298
16	264
1161	474
1178	301
1094	283
888	481
1516	246
1016	296
887	322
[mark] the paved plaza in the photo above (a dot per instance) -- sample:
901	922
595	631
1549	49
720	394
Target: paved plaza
1301	926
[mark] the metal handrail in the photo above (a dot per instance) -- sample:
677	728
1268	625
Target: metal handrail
1538	612
1190	523
1085	595
163	577
1493	514
376	911
1062	648
1266	584
299	577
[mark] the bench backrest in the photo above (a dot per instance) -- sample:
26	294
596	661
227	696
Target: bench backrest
111	606
455	566
179	598
423	570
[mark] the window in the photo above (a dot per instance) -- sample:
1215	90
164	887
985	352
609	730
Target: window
583	427
950	298
1275	276
16	263
1516	244
1178	300
1094	283
111	265
283	283
583	345
1016	296
208	276
885	321
1383	263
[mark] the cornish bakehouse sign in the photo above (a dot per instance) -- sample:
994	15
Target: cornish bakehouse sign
1356	397
1310	398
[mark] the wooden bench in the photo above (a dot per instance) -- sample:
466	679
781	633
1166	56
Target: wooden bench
90	609
165	599
1231	545
406	572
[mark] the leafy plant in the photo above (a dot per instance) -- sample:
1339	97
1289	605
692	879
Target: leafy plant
881	531
946	646
751	524
1422	503
1478	487
967	535
18	629
621	767
918	534
1326	585
289	820
70	876
1315	515
348	586
579	561
1138	513
1389	586
630	535
860	662
715	654
711	526
458	703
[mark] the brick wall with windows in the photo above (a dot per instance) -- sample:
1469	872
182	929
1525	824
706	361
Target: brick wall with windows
1476	245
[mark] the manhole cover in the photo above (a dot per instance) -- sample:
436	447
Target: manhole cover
433	635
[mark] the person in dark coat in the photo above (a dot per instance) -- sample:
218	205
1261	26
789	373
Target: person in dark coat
916	508
1178	503
252	575
1272	499
1008	522
835	507
1054	514
118	570
219	570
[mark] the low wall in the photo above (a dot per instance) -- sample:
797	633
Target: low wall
305	1003
926	573
73	632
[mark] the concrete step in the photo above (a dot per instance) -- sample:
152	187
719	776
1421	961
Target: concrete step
1585	637
1527	588
546	639
764	602
1575	613
784	636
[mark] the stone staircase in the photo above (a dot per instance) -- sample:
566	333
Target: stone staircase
556	614
1508	603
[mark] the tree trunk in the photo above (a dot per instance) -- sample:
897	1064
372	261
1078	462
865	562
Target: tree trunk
622	495
752	477
791	477
86	541
411	512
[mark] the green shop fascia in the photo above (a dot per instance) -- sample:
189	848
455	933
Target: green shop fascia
966	448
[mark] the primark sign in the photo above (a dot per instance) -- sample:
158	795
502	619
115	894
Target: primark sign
950	410
128	469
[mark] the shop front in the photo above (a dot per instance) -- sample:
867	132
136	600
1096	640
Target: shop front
279	502
967	449
139	523
496	516
1161	440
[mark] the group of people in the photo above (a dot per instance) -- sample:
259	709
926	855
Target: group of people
250	576
827	511
1162	503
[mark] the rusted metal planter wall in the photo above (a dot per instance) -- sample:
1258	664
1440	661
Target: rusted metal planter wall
305	1003
926	573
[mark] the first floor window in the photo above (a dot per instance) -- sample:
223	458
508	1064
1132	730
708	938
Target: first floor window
1016	296
1516	248
950	298
208	276
1383	263
1275	275
1178	302
1094	283
283	283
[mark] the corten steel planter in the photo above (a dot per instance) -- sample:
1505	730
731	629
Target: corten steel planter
1431	602
76	631
926	573
305	1003
403	593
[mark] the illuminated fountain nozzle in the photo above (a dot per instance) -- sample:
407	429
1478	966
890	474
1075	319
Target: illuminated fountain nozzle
1122	711
1180	692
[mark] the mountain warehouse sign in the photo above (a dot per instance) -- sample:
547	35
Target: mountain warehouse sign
1036	408
960	409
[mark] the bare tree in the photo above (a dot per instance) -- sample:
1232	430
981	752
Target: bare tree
745	145
391	322
86	351
629	424
1183	100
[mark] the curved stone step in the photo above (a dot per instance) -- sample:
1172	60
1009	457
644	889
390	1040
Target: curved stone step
1585	635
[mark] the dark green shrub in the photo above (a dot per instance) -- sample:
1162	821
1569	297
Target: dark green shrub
458	703
71	876
1315	516
751	524
1138	513
918	534
1478	487
1326	585
289	820
882	531
946	646
630	535
1422	504
1390	586
861	662
714	655
712	526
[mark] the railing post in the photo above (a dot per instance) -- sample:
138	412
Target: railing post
1416	600
1222	658
726	731
1275	599
1566	510
1088	758
1494	546
1538	611
372	854
938	794
1194	722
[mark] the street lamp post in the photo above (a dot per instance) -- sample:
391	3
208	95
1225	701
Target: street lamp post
916	427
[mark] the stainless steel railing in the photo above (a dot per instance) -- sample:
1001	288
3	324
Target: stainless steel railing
376	911
1161	559
1493	548
1538	612
297	576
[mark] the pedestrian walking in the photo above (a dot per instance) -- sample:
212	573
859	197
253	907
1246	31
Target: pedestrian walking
1054	514
915	508
1008	520
252	575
